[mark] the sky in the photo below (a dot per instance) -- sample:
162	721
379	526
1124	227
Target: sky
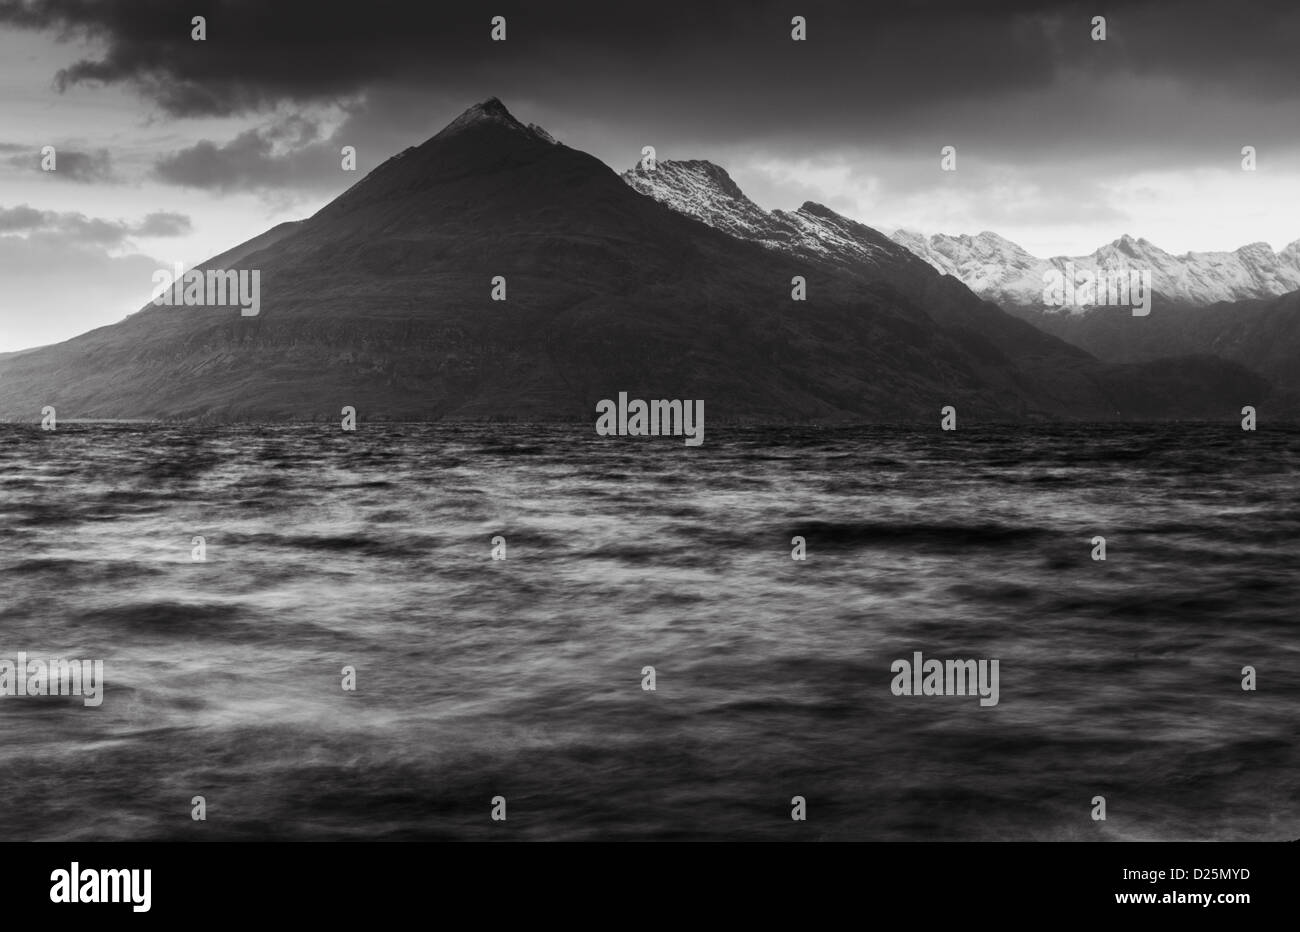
172	150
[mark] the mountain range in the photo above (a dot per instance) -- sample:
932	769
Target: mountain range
663	284
998	269
1239	306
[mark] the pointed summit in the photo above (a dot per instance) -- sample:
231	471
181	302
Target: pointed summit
490	111
494	107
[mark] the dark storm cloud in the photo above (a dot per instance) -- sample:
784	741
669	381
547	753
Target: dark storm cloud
92	231
733	61
1176	85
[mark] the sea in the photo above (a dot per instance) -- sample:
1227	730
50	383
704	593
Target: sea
402	631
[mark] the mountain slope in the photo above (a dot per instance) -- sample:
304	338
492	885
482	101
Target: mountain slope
382	300
706	192
1262	335
1015	356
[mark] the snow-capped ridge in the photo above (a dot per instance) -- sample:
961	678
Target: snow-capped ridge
1001	271
705	191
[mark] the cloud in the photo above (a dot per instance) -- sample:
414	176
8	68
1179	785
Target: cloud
64	272
22	219
857	57
70	164
1048	123
56	289
27	222
1012	81
84	167
164	224
286	153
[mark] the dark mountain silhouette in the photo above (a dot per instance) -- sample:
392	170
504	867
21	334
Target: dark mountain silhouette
382	300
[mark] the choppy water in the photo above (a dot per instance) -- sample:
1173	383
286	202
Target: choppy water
522	678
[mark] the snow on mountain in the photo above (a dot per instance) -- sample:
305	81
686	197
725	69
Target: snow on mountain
999	270
381	298
705	191
990	265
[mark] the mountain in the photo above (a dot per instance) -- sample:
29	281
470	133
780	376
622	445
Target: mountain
999	270
1241	306
1261	334
706	192
1013	350
383	300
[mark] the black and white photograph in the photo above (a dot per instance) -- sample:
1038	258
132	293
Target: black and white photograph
719	422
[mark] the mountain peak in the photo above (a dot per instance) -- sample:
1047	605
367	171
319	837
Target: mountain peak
702	190
1127	245
490	112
